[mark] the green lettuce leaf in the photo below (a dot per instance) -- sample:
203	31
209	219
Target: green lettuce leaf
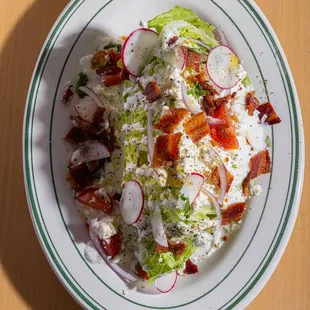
196	29
160	264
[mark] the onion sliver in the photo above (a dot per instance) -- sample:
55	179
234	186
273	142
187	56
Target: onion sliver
150	139
190	106
158	228
124	275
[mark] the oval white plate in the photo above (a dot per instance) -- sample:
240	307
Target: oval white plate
242	267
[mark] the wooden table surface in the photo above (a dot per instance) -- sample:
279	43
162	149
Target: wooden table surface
26	280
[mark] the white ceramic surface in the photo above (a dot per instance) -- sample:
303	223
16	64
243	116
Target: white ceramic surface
241	268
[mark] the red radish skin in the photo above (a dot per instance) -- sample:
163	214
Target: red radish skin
210	75
122	210
124	49
165	291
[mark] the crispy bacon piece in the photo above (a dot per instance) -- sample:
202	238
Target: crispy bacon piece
190	267
215	178
112	245
98	116
268	110
173	40
88	129
160	249
224	135
92	197
141	273
166	150
115	56
193	59
152	92
75	135
177	248
259	164
197	127
224	100
233	213
168	122
80	177
99	59
251	103
67	95
115	79
201	77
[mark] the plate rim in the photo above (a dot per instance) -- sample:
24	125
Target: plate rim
263	278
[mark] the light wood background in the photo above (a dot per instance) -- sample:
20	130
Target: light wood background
26	280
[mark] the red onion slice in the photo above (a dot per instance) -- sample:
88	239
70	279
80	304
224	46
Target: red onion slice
150	139
215	121
199	43
124	275
220	35
158	228
192	108
217	208
89	92
222	174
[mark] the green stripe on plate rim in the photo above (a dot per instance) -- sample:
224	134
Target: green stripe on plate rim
30	175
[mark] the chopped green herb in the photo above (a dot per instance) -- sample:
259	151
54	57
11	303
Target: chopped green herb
82	80
156	118
234	166
73	193
111	45
120	64
183	197
268	142
187	209
197	91
246	82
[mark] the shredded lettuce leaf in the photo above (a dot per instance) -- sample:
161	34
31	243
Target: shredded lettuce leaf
160	264
197	91
196	28
246	82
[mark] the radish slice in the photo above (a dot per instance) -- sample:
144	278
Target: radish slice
91	150
89	92
166	282
223	67
191	188
137	50
222	174
193	108
150	139
132	202
158	228
86	110
124	275
220	35
214	202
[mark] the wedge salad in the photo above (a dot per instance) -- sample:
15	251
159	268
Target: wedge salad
169	140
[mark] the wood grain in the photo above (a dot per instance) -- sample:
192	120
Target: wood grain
26	280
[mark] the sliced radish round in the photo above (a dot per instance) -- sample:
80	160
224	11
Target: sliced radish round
193	108
223	67
132	202
124	275
137	50
191	188
90	151
158	228
166	282
86	110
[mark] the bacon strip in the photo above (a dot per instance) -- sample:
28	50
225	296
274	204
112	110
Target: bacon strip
166	150
173	40
268	110
80	177
160	249
112	245
75	135
152	92
210	105
233	213
259	164
168	122
197	127
201	77
193	60
215	178
251	103
177	248
190	267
